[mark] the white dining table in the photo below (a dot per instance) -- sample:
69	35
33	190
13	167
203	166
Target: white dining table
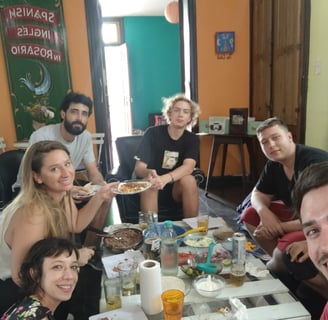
265	298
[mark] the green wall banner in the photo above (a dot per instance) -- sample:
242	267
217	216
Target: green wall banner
35	49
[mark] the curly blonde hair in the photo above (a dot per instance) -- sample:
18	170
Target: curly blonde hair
168	104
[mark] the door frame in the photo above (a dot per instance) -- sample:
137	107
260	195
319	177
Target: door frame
98	80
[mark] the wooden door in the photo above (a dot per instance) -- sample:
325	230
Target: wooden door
279	63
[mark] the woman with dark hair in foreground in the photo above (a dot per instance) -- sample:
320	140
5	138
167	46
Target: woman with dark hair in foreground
48	276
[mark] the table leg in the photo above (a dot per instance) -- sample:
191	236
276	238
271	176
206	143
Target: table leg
224	158
242	160
252	163
214	152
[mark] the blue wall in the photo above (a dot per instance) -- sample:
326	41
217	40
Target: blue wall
154	62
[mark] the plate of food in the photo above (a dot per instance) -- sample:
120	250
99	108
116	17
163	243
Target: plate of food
131	187
90	189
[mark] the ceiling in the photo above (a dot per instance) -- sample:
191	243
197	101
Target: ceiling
120	8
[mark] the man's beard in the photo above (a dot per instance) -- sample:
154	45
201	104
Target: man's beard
70	128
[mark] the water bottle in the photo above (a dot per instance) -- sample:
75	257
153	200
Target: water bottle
169	250
151	237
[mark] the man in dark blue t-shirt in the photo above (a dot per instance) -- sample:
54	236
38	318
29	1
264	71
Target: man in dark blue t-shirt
270	219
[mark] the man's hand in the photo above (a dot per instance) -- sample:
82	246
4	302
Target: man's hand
155	180
298	251
270	226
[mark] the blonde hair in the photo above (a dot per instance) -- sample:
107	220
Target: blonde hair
34	196
168	104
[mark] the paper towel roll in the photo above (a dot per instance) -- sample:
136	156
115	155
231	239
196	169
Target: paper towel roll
150	286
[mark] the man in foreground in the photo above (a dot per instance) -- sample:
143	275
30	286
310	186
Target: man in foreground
269	219
311	205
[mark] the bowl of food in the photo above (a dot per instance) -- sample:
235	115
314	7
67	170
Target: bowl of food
198	246
209	285
191	271
123	239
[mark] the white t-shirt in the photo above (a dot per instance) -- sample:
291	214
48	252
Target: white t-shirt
80	149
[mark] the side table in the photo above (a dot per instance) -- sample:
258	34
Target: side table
225	140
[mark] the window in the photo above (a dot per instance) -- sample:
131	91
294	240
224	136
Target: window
112	31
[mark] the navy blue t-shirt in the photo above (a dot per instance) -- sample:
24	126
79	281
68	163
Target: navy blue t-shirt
273	180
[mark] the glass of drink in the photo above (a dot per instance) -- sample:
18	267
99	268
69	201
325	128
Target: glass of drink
128	271
173	300
237	274
143	220
202	221
112	287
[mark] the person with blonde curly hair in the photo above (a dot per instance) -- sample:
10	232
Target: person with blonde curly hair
167	156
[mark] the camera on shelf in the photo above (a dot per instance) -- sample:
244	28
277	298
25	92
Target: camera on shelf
218	125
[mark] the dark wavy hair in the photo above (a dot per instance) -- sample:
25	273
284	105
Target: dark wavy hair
75	97
312	177
30	274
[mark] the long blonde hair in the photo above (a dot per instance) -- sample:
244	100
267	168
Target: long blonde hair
34	196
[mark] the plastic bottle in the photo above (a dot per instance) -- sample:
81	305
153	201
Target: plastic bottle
169	250
152	238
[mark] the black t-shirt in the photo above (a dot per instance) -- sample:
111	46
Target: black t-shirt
273	180
164	154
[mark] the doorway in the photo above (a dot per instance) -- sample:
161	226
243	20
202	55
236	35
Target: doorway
118	89
279	61
279	64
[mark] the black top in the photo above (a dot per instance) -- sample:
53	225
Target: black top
164	154
273	180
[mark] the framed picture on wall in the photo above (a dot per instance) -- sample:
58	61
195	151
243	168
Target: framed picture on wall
225	42
238	121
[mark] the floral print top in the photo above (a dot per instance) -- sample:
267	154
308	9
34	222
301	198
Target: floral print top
29	309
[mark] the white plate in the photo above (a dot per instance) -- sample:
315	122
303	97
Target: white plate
137	186
213	222
125	313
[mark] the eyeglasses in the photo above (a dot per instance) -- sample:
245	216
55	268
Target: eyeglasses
179	110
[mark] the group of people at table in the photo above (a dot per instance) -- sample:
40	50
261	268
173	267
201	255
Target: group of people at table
45	246
45	207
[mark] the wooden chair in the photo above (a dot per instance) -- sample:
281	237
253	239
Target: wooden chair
98	140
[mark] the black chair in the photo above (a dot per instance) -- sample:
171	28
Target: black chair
9	165
129	205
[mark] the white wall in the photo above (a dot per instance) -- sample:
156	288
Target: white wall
317	103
